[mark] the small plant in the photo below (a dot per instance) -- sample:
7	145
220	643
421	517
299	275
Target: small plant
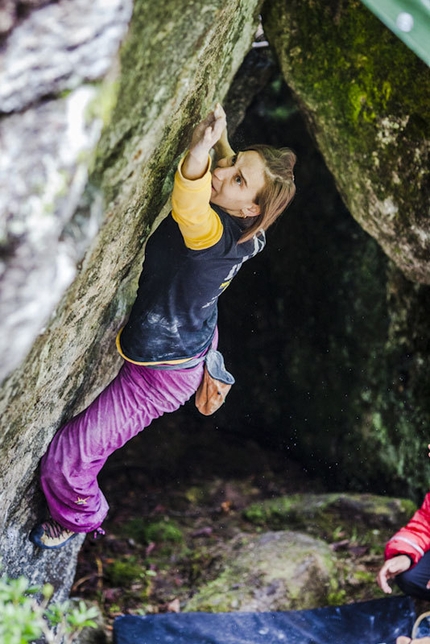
158	532
123	572
25	618
336	594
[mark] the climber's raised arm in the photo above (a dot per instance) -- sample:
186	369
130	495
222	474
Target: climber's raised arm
205	136
222	148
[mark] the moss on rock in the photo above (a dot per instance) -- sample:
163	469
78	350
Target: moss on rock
366	96
322	514
273	571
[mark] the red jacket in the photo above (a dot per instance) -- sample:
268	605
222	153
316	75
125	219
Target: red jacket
414	538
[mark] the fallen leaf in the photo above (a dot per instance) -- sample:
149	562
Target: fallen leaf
174	606
340	545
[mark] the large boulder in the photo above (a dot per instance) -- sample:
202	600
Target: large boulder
56	87
269	572
78	213
366	98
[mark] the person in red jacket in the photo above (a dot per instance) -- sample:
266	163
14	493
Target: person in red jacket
407	556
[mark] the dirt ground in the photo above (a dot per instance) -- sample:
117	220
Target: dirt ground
176	494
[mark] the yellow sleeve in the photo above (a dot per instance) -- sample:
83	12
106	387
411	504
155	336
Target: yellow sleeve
199	224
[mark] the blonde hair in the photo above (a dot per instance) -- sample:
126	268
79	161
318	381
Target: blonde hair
279	188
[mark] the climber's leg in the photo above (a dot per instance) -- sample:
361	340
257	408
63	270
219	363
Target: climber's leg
80	448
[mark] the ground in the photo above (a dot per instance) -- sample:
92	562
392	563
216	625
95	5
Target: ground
175	502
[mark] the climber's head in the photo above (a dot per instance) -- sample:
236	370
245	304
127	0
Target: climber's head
278	189
256	183
236	182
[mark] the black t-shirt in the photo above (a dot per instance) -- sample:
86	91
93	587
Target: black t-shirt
175	311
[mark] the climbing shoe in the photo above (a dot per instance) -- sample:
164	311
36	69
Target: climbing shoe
50	534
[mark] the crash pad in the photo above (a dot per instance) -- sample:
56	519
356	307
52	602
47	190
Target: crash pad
378	621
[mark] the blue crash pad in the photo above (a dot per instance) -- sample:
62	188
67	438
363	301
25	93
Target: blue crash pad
379	621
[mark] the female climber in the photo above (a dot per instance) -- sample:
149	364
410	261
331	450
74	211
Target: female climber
218	221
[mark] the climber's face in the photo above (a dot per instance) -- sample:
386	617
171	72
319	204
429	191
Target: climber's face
236	182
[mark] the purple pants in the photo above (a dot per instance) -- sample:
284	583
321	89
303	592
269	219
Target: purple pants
80	448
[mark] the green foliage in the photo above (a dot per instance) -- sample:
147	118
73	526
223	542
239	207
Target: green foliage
276	513
329	517
364	576
26	616
123	572
336	595
155	532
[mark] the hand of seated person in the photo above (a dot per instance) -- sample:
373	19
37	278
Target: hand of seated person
390	569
